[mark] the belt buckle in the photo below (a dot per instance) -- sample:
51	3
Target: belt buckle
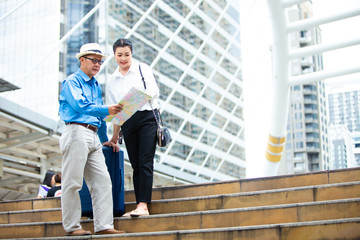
91	127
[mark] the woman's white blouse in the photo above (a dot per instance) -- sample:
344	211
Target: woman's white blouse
119	85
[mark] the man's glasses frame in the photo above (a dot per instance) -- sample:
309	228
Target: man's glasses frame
94	61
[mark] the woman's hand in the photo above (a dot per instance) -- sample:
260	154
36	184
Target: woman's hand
114	146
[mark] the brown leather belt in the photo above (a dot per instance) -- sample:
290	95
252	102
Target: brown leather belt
91	127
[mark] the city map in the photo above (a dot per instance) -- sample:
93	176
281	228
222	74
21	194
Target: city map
133	100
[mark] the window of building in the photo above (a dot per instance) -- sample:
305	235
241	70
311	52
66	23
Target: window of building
178	6
202	68
192	84
209	10
191	130
237	151
151	32
180	150
208	138
212	95
232	128
239	112
212	162
179	52
190	37
164	91
230	169
211	52
202	112
227	26
172	121
198	157
223	144
235	90
200	23
229	65
182	101
168	69
227	104
220	80
165	19
218	121
220	39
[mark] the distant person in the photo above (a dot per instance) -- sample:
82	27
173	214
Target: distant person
139	130
48	182
82	110
55	191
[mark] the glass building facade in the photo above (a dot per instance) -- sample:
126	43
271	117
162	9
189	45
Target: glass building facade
192	46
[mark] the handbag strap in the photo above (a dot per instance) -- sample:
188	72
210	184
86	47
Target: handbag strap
157	121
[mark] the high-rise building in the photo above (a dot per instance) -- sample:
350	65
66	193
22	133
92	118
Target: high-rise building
356	147
307	137
192	46
341	147
29	55
344	109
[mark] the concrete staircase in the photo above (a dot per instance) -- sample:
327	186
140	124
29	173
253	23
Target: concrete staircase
319	205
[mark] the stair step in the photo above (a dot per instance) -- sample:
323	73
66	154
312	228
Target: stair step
314	230
28	204
225	201
253	184
216	188
224	218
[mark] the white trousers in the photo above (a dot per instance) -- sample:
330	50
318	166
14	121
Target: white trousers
83	158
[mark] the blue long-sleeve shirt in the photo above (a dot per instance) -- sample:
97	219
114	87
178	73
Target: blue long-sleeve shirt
81	101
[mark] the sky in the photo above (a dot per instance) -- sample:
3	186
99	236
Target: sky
257	74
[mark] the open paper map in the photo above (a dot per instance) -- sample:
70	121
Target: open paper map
133	100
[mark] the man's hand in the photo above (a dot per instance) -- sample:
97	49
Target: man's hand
115	108
113	145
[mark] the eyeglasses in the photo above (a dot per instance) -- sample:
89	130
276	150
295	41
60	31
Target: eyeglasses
95	61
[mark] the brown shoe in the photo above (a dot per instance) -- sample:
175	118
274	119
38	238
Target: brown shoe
110	231
79	232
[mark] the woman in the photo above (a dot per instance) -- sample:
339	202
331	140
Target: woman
48	182
139	131
55	191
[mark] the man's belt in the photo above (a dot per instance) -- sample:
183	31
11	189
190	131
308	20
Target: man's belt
91	127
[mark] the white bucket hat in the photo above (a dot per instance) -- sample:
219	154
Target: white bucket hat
90	48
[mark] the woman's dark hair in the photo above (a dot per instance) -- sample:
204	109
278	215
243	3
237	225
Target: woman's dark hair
122	42
47	179
58	178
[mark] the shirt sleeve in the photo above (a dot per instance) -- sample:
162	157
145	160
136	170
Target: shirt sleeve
74	96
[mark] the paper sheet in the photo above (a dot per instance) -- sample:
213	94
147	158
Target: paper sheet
133	100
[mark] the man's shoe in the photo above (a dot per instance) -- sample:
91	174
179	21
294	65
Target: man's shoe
139	212
110	231
79	232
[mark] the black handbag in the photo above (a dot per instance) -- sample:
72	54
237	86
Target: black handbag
162	134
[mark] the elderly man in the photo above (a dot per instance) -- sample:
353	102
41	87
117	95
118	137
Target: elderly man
82	110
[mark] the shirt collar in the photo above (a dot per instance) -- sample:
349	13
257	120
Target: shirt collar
84	76
134	67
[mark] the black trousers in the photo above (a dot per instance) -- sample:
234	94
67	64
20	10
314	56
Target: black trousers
140	138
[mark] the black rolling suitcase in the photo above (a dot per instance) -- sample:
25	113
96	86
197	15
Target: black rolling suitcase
115	163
